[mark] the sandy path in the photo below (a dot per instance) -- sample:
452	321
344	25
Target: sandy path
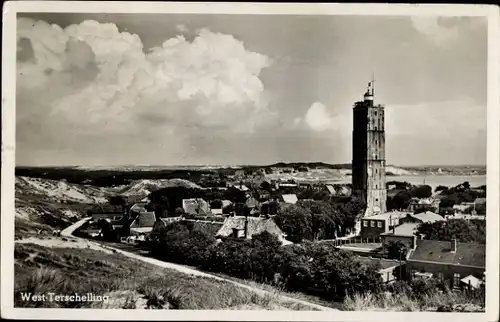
67	232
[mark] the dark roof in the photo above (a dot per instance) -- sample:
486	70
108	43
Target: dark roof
256	225
145	219
467	254
384	263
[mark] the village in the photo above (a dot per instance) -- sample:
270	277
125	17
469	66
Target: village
394	225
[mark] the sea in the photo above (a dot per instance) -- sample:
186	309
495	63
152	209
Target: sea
434	180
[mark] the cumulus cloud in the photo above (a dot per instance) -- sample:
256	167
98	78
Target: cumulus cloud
318	118
182	28
93	78
436	29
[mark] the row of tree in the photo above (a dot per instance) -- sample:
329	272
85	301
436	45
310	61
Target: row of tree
309	267
316	219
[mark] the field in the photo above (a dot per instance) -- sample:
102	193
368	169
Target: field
128	283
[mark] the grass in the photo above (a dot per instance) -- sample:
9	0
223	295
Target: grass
282	291
454	301
39	270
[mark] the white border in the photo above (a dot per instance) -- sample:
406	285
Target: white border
8	153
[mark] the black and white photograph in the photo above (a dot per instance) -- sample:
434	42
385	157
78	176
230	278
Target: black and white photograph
257	160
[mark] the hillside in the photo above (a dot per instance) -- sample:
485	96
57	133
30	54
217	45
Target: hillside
130	284
145	187
60	191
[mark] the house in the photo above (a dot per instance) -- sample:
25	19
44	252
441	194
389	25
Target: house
289	198
246	227
449	261
463	207
404	233
425	204
375	225
143	223
269	208
387	268
262	195
465	217
471	282
330	189
422	217
407	229
196	206
216	211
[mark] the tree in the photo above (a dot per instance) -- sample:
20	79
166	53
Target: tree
179	212
323	218
459	229
118	202
441	188
423	191
401	200
216	204
396	250
295	221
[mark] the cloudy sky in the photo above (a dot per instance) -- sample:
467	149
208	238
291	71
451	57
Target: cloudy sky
159	89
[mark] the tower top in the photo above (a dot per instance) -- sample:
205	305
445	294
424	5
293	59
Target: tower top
370	91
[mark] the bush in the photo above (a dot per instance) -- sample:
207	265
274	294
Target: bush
310	268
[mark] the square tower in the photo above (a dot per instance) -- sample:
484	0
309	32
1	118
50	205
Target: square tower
368	154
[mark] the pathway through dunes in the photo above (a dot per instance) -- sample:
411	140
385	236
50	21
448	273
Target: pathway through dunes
68	232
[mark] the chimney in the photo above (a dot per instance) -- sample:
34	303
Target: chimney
453	245
246	226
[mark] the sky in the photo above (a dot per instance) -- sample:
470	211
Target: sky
173	89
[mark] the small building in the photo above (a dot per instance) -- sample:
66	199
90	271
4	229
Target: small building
404	233
246	227
471	282
262	195
425	204
196	207
449	261
463	207
387	268
289	198
143	223
107	215
375	225
465	217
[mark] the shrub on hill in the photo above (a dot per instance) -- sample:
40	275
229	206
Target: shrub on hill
310	268
460	229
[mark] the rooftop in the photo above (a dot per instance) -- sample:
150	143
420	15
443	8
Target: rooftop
467	254
387	215
145	219
384	263
427	216
290	198
407	229
256	225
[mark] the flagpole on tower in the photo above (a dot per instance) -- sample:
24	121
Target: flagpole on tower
373	83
